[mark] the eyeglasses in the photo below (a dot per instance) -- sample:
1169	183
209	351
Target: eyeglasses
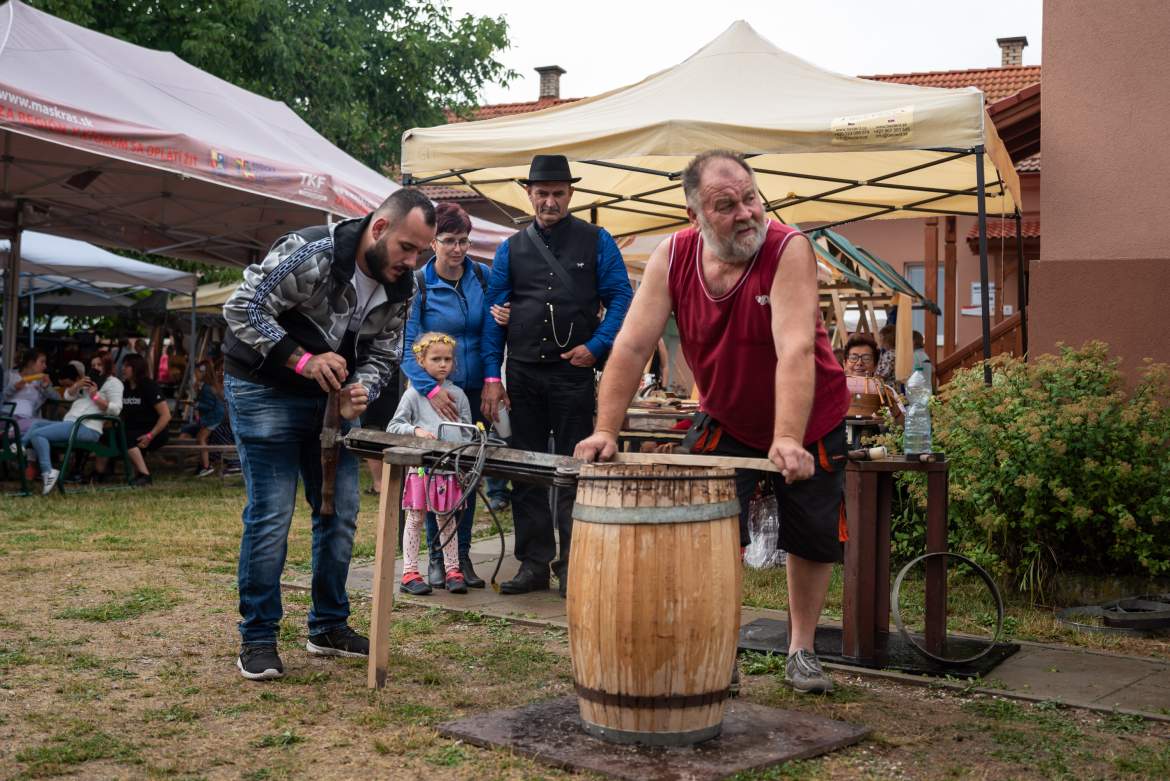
449	242
859	358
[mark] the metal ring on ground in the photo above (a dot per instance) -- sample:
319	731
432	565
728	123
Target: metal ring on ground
896	608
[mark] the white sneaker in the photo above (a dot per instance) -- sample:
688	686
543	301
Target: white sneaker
50	479
205	472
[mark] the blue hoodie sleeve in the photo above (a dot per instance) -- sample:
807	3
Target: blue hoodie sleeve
613	286
419	379
499	292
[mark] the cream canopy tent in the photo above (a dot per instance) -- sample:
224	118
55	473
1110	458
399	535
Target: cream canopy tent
827	148
211	298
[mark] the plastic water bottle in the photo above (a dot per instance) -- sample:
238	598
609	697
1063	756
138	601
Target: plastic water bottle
916	432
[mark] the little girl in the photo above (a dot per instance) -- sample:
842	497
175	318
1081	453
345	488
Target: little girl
440	492
210	409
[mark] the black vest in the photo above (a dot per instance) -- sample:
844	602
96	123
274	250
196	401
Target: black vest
537	334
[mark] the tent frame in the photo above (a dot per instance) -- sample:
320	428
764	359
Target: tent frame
614	201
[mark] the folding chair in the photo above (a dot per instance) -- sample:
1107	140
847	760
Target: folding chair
111	444
11	450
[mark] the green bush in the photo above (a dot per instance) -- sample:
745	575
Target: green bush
1056	465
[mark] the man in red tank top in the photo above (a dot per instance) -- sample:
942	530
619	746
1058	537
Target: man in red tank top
743	290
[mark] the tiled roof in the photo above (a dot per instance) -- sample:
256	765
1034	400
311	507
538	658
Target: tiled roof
995	83
505	109
1005	229
437	192
1029	165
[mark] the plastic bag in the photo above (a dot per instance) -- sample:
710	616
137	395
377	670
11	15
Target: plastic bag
763	552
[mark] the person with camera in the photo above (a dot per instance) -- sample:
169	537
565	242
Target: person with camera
99	392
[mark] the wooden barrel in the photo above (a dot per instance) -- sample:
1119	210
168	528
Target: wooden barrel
654	601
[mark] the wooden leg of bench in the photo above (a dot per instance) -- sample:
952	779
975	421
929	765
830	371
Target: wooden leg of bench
385	583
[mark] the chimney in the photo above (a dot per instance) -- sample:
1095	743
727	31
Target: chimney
550	81
1013	51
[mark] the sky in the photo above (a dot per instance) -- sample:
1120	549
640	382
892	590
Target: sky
603	44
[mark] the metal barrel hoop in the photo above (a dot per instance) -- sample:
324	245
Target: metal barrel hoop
896	608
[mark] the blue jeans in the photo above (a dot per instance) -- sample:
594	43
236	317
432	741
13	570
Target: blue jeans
277	439
43	432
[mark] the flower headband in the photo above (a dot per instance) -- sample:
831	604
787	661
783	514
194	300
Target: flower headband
421	346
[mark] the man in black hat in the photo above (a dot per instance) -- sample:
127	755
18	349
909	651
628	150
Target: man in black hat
557	274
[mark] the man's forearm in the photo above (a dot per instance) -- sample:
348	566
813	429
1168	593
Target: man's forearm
619	382
794	395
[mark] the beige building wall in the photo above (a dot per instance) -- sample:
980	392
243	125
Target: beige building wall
1106	114
902	242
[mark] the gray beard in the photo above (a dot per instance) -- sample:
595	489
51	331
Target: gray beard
736	252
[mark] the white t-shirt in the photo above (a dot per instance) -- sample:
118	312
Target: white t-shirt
367	290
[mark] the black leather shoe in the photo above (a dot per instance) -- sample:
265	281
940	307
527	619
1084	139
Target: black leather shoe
526	580
469	577
436	575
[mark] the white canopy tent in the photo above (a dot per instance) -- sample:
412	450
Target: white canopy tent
45	255
826	148
109	142
71	276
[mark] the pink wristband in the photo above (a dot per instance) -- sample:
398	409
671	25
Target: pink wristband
94	398
434	390
492	379
301	363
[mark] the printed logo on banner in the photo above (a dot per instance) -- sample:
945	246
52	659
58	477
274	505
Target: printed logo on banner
312	185
878	127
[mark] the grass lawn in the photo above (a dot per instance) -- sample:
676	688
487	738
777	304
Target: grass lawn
118	640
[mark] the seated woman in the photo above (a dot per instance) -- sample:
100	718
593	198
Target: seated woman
145	415
867	393
99	393
28	388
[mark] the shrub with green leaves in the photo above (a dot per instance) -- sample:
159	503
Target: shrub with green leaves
1057	464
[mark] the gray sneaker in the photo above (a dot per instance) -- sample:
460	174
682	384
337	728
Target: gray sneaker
803	672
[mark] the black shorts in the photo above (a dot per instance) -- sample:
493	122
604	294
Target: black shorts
810	510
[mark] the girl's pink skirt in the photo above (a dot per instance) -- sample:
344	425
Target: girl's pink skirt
444	492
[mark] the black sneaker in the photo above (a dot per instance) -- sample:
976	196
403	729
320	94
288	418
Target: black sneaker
260	662
142	480
340	642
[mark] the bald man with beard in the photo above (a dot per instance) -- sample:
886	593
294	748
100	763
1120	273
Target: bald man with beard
743	290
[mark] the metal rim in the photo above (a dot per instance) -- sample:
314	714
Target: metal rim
683	513
896	608
668	739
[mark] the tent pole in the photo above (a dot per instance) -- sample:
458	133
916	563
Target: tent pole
12	291
32	316
984	292
188	384
1021	284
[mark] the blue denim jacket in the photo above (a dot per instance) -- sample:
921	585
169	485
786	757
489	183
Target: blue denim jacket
460	314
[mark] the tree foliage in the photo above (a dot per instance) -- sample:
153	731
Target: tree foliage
360	72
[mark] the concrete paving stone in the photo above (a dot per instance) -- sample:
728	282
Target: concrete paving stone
1068	675
1139	696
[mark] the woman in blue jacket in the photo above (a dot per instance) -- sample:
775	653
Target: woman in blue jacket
451	298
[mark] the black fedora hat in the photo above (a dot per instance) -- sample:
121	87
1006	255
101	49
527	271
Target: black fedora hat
549	168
